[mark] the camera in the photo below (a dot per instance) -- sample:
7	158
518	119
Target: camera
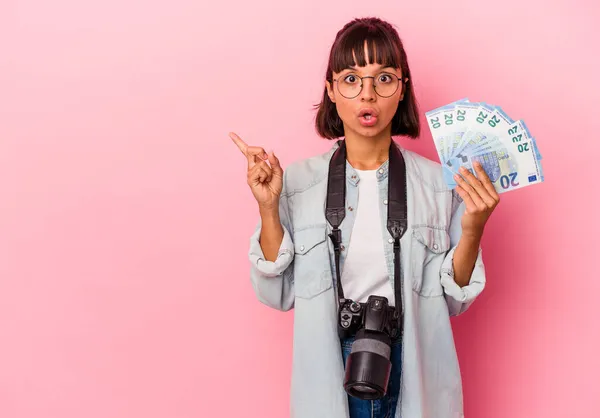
373	324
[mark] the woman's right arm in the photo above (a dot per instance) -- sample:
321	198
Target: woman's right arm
271	256
271	245
271	233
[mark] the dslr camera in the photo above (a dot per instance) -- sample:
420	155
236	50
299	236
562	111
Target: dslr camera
373	324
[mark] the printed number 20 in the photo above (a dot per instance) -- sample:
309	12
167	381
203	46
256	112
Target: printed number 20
506	182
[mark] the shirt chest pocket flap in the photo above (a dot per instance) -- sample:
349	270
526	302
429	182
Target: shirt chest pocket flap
429	248
312	273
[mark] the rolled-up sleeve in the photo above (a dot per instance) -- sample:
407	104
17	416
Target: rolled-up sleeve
459	299
273	281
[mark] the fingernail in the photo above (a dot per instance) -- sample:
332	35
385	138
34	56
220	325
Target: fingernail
456	177
462	169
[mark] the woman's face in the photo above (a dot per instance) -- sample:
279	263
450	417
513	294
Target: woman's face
367	114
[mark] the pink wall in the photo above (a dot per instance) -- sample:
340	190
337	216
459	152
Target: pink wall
124	288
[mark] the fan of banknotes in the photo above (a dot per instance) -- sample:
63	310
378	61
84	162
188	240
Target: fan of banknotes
465	132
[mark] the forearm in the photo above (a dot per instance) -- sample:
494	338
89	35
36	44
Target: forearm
464	259
271	233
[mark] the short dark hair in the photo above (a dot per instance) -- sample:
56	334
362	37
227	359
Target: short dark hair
381	37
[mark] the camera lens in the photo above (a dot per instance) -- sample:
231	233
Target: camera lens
368	366
363	389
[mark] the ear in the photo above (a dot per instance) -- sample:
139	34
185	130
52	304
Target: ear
330	91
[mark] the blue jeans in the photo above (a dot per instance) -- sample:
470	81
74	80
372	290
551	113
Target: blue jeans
386	406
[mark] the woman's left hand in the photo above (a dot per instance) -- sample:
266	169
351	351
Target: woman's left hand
480	198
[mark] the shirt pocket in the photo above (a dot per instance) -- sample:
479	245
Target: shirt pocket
429	248
312	272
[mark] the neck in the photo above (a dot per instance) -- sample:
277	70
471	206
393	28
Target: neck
367	153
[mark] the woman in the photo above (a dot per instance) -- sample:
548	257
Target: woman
368	98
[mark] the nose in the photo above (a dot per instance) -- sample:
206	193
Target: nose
368	89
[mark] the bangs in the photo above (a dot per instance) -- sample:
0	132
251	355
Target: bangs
380	49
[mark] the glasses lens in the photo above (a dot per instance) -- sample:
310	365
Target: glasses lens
386	84
349	86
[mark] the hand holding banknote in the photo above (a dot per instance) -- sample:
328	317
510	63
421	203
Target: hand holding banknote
480	199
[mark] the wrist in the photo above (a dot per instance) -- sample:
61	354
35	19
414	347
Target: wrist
269	213
471	237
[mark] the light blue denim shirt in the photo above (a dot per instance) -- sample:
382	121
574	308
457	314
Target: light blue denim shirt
302	277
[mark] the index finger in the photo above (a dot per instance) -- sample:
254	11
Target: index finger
487	183
238	141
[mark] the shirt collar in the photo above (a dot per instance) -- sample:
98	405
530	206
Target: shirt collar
353	177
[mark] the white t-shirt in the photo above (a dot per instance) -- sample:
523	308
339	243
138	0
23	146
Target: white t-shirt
365	268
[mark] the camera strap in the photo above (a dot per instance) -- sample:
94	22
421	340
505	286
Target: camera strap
397	222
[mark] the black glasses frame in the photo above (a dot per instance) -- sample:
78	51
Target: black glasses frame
400	79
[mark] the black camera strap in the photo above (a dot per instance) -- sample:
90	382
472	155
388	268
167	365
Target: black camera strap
396	217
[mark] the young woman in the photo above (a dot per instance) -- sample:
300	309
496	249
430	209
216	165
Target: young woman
368	98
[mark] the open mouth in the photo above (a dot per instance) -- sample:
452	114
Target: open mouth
367	117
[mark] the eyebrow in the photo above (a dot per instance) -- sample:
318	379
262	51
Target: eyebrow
354	68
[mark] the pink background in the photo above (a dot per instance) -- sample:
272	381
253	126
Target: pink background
125	214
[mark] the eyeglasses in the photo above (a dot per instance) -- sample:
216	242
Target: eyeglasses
385	84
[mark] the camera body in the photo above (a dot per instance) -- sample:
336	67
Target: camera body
374	315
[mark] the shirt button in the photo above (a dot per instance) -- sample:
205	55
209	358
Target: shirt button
381	171
385	202
391	240
302	248
350	208
435	247
353	177
342	247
